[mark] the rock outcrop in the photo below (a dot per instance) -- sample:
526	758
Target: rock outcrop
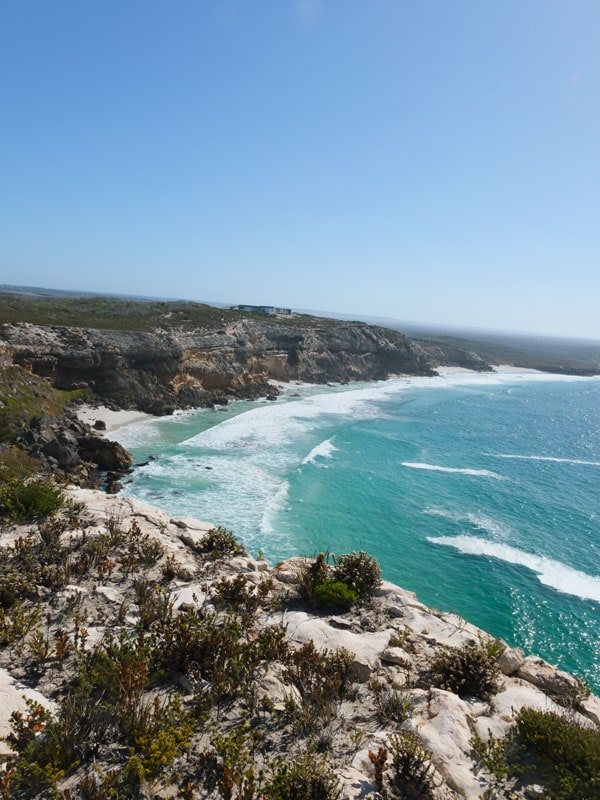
69	449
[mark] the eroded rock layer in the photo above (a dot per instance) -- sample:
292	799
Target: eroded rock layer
167	369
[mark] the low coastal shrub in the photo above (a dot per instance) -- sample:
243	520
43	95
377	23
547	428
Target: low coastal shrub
412	772
469	671
360	571
323	679
354	576
393	705
22	500
305	777
409	776
567	755
335	595
220	543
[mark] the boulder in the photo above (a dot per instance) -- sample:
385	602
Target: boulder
511	660
106	454
188	597
396	655
552	681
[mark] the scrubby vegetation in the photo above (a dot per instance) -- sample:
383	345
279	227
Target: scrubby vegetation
113	313
353	577
22	500
558	751
166	696
360	571
175	675
470	670
24	395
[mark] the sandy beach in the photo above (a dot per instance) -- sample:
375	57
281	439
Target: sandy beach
112	419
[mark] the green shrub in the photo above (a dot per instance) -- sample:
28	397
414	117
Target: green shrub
412	771
310	576
393	705
323	679
567	755
26	500
219	543
354	576
469	671
492	753
305	777
360	571
335	595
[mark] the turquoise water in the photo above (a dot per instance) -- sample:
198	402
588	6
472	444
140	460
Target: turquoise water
478	492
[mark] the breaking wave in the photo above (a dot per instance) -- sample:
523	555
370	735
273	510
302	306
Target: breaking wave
483	473
551	573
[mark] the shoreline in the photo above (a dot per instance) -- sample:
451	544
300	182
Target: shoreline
112	419
115	420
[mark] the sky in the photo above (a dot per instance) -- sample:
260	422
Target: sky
422	160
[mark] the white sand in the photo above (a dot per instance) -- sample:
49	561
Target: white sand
511	368
112	419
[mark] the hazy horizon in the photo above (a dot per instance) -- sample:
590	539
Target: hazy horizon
411	326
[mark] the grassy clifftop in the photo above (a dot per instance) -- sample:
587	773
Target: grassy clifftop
112	313
23	396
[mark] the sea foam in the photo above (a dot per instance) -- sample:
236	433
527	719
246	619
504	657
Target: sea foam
500	531
551	573
324	449
483	473
554	459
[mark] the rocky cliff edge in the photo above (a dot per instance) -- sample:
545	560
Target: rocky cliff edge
161	624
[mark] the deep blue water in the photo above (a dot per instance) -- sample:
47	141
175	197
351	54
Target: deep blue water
479	492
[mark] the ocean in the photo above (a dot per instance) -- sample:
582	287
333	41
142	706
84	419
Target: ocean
477	491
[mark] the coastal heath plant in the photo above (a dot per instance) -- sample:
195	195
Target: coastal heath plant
22	500
360	571
469	671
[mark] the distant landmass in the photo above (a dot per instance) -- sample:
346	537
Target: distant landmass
445	346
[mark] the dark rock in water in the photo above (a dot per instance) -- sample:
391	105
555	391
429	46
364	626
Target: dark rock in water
271	396
112	484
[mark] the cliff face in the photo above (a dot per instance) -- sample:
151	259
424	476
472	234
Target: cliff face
167	369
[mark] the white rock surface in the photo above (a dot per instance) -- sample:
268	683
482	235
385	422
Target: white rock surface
366	647
443	722
12	698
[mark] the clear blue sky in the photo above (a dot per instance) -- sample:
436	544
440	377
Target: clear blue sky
425	160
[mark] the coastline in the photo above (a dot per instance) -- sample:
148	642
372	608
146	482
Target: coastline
114	420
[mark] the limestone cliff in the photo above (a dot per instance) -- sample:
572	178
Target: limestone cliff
165	369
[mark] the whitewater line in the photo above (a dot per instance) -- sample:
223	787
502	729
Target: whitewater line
555	459
551	573
483	473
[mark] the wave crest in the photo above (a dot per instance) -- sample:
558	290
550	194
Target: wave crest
551	573
483	473
554	459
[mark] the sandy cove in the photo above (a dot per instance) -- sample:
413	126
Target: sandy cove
113	420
